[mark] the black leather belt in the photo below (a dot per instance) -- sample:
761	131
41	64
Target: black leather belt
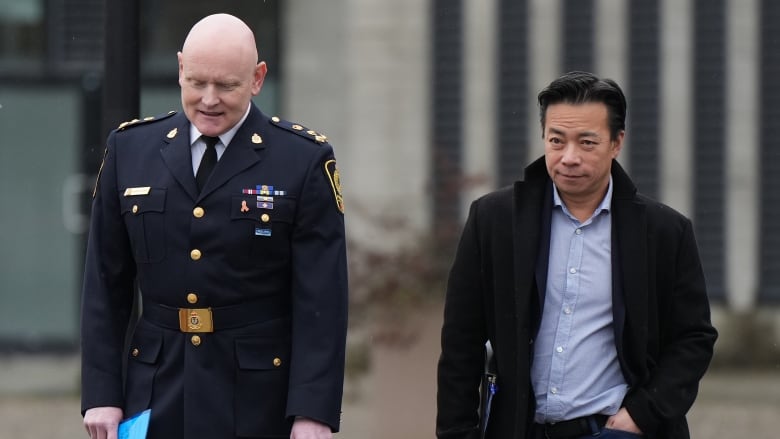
215	319
584	426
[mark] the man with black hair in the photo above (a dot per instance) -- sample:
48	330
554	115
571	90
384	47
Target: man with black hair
591	294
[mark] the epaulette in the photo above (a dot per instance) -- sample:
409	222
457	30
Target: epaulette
131	123
299	130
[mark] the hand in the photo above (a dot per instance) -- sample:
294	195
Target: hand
102	422
304	428
622	421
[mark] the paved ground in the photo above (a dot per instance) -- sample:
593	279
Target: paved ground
397	400
744	405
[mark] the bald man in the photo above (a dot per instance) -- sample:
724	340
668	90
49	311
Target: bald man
231	225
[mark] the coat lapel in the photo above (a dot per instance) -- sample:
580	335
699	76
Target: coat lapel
527	232
531	244
177	156
543	256
629	260
243	152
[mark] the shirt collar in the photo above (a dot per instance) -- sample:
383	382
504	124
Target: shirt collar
602	207
225	137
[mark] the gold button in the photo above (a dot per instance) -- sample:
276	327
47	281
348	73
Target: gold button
135	208
297	127
277	361
192	298
195	340
311	133
198	212
265	218
136	352
195	254
275	119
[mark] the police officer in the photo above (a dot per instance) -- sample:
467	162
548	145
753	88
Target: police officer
231	223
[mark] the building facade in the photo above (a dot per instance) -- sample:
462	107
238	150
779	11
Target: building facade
428	104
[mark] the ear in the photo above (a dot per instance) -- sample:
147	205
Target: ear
181	68
617	144
257	83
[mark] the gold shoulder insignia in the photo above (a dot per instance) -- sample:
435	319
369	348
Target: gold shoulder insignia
335	183
299	130
131	123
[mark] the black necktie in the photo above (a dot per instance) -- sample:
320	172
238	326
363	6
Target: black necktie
208	161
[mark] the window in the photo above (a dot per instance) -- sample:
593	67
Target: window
21	35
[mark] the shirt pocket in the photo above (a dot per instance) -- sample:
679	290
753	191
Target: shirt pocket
260	235
261	386
144	217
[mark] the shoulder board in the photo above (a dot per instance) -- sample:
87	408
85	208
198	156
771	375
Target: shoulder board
299	130
131	123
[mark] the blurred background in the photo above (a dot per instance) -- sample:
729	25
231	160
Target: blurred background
428	104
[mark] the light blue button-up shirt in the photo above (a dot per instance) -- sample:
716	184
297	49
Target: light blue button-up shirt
575	370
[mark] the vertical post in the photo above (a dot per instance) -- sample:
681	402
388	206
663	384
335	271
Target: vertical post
447	120
769	155
121	83
709	134
512	91
644	91
578	40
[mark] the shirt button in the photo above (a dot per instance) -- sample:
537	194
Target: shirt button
198	212
578	231
567	310
559	349
195	254
192	298
554	390
572	270
195	340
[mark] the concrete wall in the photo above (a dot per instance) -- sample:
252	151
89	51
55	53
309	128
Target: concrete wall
359	73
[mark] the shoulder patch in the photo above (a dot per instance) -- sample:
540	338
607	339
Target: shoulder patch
131	123
335	183
299	130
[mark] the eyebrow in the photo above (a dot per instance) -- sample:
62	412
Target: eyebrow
582	134
589	134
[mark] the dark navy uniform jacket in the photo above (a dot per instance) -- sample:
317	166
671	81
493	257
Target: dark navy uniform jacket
262	246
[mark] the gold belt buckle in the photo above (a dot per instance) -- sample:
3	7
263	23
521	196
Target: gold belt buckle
195	320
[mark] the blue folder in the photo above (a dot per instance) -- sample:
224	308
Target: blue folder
136	426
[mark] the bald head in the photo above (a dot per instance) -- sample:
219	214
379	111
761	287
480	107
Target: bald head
219	73
223	33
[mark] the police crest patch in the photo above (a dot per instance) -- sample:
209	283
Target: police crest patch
335	183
